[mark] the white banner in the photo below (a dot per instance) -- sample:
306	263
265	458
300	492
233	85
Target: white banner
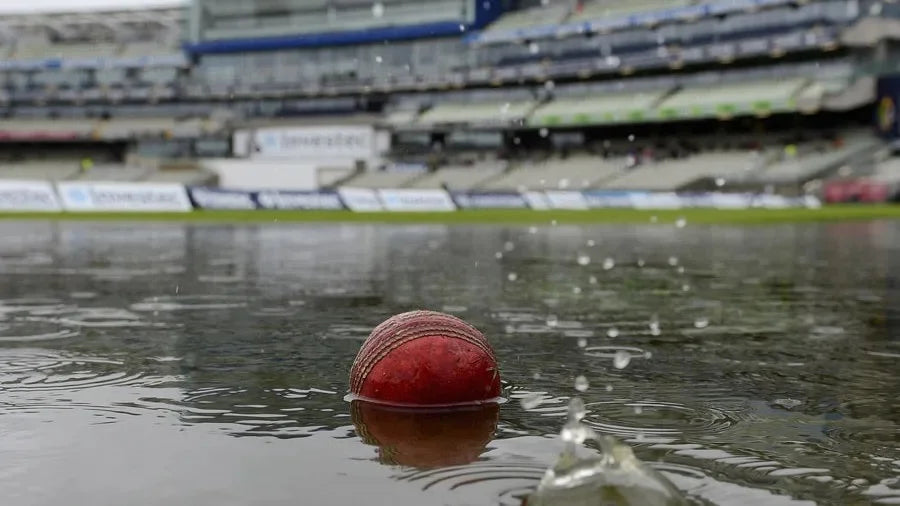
28	196
661	200
536	200
566	200
123	197
354	142
416	200
360	200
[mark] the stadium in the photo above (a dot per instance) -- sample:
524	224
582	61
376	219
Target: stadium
450	252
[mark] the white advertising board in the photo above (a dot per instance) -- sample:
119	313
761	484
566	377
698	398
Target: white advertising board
123	197
28	196
360	200
566	200
355	142
416	200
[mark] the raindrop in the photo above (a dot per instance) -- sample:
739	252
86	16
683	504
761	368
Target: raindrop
680	222
577	410
640	262
613	333
638	410
673	261
701	323
720	181
608	264
591	243
653	219
536	376
377	10
581	384
654	328
533	48
549	85
685	288
576	290
504	108
584	260
377	59
630	137
462	28
648	355
517	141
552	320
498	255
509	246
621	359
544	132
512	276
680	269
553	223
609	388
582	342
592	280
532	230
532	401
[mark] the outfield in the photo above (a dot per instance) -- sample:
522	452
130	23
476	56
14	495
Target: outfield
487	216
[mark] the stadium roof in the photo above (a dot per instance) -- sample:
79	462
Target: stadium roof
53	6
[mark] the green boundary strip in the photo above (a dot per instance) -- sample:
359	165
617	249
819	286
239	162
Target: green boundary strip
491	216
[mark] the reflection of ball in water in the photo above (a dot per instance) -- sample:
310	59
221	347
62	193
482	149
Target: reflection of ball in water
426	438
425	358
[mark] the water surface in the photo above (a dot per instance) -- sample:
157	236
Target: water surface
207	365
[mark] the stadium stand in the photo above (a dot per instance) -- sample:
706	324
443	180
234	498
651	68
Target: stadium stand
670	175
760	98
597	110
486	113
577	171
549	14
822	159
461	177
382	179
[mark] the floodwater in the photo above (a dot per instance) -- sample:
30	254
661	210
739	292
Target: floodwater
164	364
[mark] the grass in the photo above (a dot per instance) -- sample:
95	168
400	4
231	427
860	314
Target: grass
490	216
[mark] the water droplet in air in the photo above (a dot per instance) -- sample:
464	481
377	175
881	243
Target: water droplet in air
552	320
462	28
680	269
609	388
654	328
377	59
648	355
680	222
581	384
608	264
549	85
673	261
498	255
592	280
685	288
544	132
553	223
377	10
533	48
591	243
621	359
532	401
582	342
701	323
536	376
720	181
577	411
653	219
613	332
584	260
640	262
576	290
532	230
512	276
509	246
638	410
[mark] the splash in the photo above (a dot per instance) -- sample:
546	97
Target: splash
614	478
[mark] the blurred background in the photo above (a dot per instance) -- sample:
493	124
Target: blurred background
778	96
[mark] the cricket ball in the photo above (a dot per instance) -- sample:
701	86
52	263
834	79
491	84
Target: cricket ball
425	358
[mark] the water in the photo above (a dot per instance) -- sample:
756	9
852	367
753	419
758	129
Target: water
207	365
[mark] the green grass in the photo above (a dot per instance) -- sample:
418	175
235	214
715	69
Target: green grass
489	216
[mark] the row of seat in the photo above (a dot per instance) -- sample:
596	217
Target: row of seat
586	171
71	170
117	128
41	49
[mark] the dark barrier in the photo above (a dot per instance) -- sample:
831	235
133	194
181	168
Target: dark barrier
489	200
215	198
311	200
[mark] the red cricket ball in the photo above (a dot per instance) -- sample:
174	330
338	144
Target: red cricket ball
425	358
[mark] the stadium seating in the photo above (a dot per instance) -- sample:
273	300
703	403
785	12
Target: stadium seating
669	175
577	171
550	14
382	179
596	110
496	113
823	159
606	8
185	176
111	173
48	170
888	171
761	98
460	178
